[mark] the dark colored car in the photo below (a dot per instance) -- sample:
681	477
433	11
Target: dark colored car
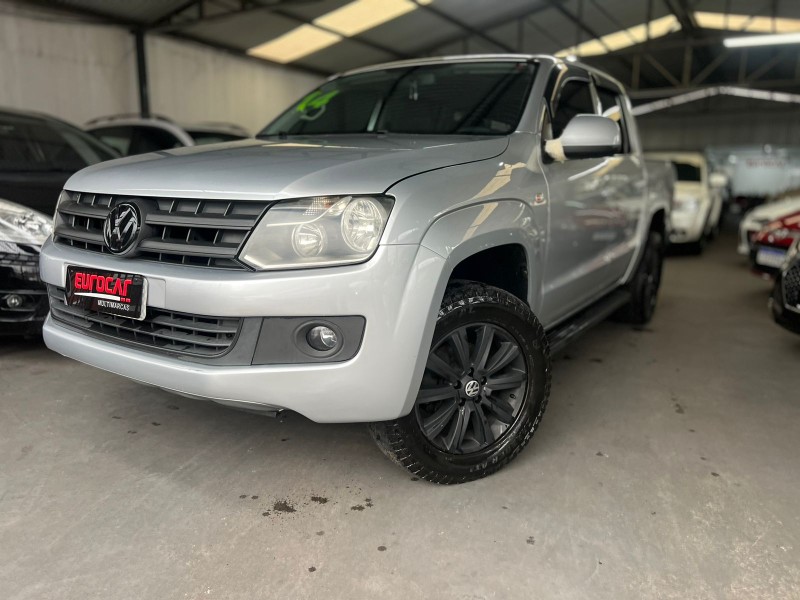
23	297
771	245
38	154
785	300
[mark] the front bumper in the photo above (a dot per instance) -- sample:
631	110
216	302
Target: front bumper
396	292
688	227
23	298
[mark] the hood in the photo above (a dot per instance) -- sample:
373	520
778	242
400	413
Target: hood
291	168
773	210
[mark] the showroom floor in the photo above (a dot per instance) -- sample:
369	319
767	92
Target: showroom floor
666	466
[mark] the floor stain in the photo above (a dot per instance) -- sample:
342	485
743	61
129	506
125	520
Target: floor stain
381	548
368	502
530	541
156	424
131	431
312	569
243	496
358	507
319	499
714	474
254	497
283	506
679	409
596	360
599	453
115	417
320	533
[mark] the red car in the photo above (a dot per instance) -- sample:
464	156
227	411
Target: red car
771	245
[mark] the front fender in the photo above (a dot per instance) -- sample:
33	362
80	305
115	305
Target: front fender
458	235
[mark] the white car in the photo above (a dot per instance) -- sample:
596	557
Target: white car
134	135
755	220
697	204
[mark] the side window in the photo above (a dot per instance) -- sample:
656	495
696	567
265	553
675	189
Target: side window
575	98
119	138
151	139
611	105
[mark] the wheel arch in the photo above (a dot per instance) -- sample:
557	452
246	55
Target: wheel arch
473	240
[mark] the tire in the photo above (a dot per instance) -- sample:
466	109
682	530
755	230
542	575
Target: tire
645	283
463	427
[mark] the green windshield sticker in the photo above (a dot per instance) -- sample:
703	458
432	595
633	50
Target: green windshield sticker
315	101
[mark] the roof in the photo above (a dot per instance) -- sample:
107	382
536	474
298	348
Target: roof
654	48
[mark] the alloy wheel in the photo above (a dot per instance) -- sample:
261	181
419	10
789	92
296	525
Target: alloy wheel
473	389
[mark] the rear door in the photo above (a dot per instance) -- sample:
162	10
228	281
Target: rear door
593	204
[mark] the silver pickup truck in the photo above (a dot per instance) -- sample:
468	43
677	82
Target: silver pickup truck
407	245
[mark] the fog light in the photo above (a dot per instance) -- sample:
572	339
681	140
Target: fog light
322	339
14	300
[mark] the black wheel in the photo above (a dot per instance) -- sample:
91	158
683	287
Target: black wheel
483	393
645	283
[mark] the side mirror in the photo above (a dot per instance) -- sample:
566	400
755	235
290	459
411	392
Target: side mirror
586	136
718	180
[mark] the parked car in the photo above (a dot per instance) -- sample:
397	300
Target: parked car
23	297
755	220
406	246
130	135
38	153
785	300
771	245
697	205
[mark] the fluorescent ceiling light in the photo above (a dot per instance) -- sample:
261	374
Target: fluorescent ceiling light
624	38
347	21
295	44
748	23
361	15
762	40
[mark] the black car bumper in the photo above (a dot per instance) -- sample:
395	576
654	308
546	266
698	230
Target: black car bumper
23	296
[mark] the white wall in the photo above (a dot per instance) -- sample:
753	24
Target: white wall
78	71
194	83
74	71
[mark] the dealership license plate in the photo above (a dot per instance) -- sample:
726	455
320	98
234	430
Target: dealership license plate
770	257
121	294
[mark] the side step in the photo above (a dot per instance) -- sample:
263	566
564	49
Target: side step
567	332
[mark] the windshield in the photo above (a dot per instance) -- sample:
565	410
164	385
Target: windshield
687	172
33	144
481	98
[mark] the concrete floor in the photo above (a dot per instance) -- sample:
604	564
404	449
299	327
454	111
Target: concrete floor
666	467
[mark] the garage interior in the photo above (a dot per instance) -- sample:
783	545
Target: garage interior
665	466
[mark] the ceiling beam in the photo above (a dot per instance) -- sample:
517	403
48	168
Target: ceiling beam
534	7
469	29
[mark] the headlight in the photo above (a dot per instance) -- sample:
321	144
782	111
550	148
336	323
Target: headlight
689	205
317	232
23	225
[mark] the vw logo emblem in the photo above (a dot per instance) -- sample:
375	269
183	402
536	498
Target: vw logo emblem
122	227
472	388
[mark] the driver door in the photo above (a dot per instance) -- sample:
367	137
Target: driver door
585	221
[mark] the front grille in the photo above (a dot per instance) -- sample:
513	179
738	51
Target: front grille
791	286
205	233
161	330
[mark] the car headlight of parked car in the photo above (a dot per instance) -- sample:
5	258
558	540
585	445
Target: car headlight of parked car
686	204
317	232
22	225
